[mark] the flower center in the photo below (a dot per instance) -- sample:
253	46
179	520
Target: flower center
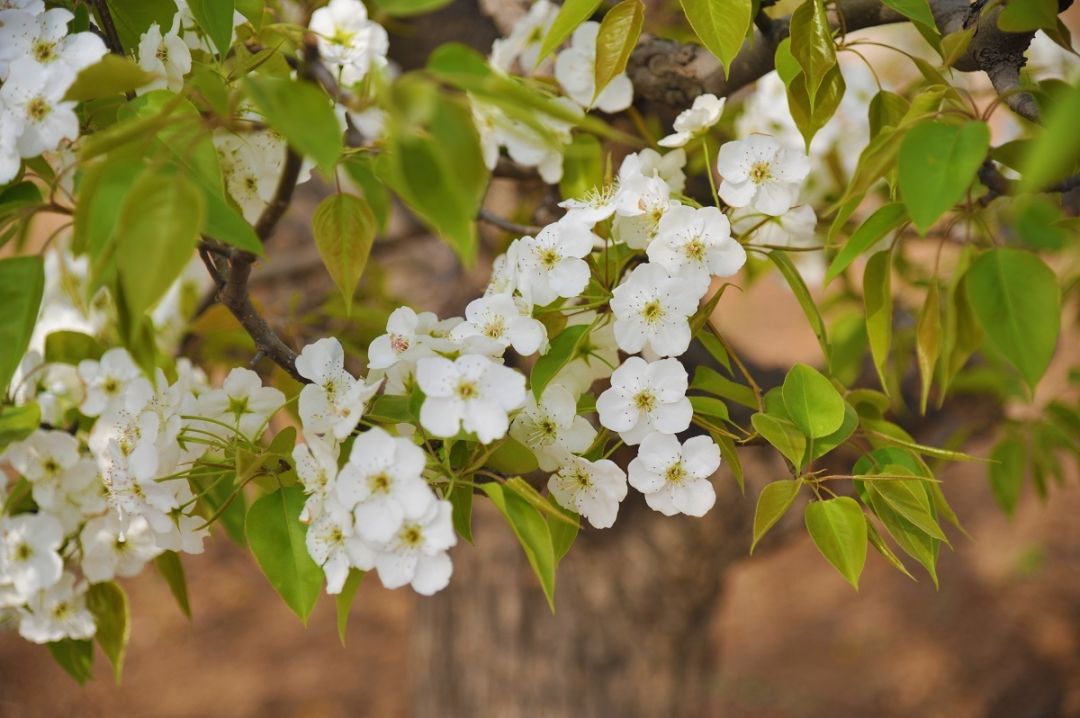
411	535
162	53
238	406
44	51
645	401
51	466
466	390
398	343
549	257
695	249
495	327
61	611
111	386
653	311
38	109
675	473
581	477
760	172
24	552
379	483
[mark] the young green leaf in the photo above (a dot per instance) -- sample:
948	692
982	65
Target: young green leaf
277	540
75	657
109	604
1016	298
571	14
721	25
883	548
564	348
132	19
532	531
302	113
1007	473
783	435
825	444
344	600
937	164
111	75
344	230
1055	151
461	499
18	422
912	540
709	380
616	39
215	17
773	502
812	44
812	402
877	301
928	341
169	566
22	281
907	498
885	219
802	293
838	528
406	8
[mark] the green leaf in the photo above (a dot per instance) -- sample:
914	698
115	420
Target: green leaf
18	422
937	164
838	528
912	541
215	17
616	39
22	281
361	169
915	10
812	402
532	532
75	657
111	75
730	456
109	604
172	570
344	229
877	301
812	44
512	457
132	19
907	498
461	499
405	8
721	25
16	197
1007	473
1028	15
825	444
277	540
802	293
812	113
1016	298
783	435
773	502
344	600
302	113
883	548
1057	149
710	408
928	341
67	347
156	234
708	379
885	219
571	14
564	349
563	532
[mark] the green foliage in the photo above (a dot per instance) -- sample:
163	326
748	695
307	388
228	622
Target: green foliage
109	604
75	657
405	8
884	219
277	540
111	75
532	530
571	14
344	229
937	164
132	19
215	18
721	25
783	435
838	529
878	301
302	113
172	570
812	402
564	348
22	281
773	502
344	601
18	422
616	39
1017	301
1057	150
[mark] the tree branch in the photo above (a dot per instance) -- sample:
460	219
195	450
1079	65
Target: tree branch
486	215
1000	186
112	38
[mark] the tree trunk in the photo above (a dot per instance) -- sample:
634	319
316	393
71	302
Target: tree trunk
632	636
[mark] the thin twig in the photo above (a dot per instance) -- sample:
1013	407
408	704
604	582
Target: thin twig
112	38
486	215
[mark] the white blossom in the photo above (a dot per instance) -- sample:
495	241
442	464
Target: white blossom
106	380
644	198
417	554
703	114
668	167
110	549
471	393
575	70
316	462
496	322
29	552
761	173
646	397
407	338
551	427
652	309
335	400
242	402
591	488
523	42
328	540
348	40
56	613
43	37
675	477
166	56
552	264
36	100
11	126
382	484
526	144
696	243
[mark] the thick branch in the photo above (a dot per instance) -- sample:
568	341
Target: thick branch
112	38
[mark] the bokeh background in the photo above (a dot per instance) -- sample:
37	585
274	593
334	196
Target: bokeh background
670	608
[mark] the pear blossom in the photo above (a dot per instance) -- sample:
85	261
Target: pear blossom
652	309
34	7
43	37
335	400
575	70
166	56
383	485
643	201
106	380
36	100
552	264
11	126
416	555
328	540
675	477
526	144
523	42
57	612
242	401
645	397
316	462
408	337
703	114
185	532
110	549
593	489
551	427
496	322
668	167
761	173
471	393
696	243
597	354
348	40
29	552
